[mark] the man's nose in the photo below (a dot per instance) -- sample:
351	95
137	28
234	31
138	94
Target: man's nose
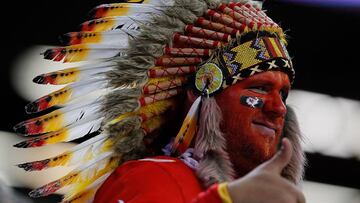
275	106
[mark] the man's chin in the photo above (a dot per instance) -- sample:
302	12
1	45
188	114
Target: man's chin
248	158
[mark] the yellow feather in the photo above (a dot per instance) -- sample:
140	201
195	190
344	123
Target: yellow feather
121	117
188	129
89	178
153	124
80	177
103	24
76	53
58	136
60	97
82	197
107	146
152	81
158	107
50	122
148	111
73	156
60	160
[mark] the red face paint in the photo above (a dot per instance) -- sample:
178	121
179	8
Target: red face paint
253	134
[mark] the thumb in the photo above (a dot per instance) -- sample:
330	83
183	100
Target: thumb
278	162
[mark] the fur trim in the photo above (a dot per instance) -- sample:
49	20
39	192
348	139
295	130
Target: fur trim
209	137
184	15
130	142
215	165
120	101
214	168
295	170
197	7
131	146
130	71
169	22
124	127
213	4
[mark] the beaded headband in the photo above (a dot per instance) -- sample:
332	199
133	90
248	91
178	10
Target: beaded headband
236	62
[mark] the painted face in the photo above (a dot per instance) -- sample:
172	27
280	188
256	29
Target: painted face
253	132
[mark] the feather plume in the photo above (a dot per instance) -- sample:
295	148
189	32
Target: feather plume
70	75
147	112
116	38
188	129
57	119
84	52
84	175
87	195
153	2
126	23
122	9
75	74
79	154
66	94
65	134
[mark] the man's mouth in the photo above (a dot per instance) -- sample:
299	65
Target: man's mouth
265	128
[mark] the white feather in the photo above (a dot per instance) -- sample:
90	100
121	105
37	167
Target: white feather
83	129
88	150
82	113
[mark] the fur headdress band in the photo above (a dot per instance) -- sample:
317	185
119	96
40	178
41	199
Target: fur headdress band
142	54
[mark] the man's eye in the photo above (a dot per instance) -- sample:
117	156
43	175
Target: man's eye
259	89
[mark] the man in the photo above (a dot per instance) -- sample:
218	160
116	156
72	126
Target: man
243	123
233	59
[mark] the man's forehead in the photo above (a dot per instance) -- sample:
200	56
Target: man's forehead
268	77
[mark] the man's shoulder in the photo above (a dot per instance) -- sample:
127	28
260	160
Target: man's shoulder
158	165
156	178
162	160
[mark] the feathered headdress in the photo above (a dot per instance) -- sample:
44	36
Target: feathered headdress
142	55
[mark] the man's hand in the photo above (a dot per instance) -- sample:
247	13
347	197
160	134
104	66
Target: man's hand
265	184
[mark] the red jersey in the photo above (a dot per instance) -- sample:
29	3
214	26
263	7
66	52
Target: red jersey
156	180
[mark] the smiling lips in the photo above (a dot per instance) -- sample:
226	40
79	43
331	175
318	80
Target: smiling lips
265	128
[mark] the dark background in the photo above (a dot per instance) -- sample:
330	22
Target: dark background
323	40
